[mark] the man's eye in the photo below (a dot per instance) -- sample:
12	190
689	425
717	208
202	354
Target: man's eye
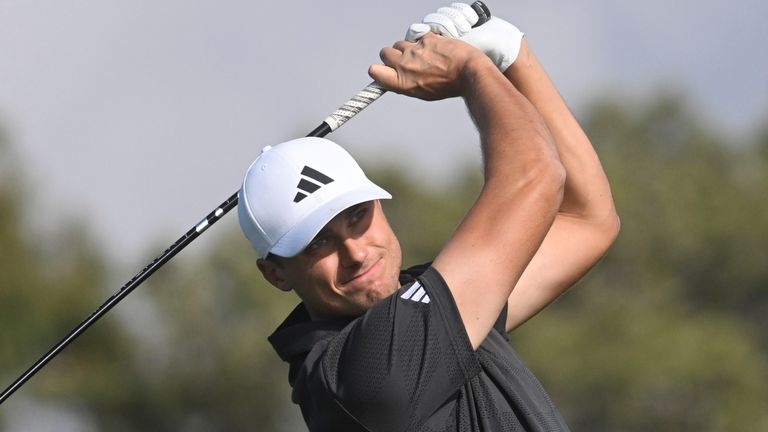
317	244
359	214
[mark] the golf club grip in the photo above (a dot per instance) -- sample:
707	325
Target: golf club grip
351	108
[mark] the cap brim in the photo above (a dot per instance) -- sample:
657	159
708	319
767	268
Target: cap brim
295	240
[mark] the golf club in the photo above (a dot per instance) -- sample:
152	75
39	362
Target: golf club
350	109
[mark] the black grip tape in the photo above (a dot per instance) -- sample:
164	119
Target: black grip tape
483	13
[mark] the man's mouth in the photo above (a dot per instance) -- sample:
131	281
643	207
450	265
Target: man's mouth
368	273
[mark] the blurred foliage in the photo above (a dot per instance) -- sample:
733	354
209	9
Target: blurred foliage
218	372
48	285
666	334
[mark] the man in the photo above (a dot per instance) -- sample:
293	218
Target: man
374	349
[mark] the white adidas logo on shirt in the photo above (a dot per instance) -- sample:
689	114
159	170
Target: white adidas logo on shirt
416	293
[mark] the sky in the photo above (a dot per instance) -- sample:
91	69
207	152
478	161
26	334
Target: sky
139	117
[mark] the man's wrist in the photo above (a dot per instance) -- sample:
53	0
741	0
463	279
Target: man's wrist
523	59
475	69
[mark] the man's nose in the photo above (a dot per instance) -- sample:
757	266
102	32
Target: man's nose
352	252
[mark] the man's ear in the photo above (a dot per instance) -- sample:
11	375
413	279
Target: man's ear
273	273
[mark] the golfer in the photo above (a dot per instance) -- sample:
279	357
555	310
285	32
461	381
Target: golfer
374	348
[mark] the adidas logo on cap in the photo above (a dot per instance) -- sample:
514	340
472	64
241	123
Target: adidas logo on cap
308	186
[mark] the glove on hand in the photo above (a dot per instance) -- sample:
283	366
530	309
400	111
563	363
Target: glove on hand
498	39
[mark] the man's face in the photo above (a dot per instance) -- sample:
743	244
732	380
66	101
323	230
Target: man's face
349	266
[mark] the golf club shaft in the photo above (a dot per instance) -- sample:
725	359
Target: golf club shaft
351	108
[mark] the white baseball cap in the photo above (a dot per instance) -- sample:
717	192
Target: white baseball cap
293	189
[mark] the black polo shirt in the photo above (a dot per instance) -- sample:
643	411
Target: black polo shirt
407	365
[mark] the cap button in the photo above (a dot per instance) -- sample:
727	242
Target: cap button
266	149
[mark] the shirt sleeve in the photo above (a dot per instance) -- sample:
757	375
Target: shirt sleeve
405	358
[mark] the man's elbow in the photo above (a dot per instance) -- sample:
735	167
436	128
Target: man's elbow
604	220
615	227
609	228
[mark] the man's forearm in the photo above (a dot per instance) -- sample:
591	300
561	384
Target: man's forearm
502	114
587	193
586	223
493	245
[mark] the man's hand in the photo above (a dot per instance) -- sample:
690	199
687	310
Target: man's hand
433	68
498	39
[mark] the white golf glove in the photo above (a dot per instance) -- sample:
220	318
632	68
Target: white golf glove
498	39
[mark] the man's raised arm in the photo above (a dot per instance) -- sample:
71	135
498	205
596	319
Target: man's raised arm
586	224
524	178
